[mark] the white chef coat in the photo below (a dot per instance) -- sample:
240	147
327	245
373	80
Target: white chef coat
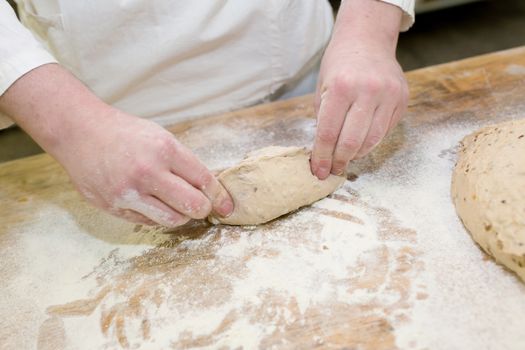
171	60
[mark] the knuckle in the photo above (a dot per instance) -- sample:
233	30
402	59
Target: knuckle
394	88
198	207
342	84
327	135
165	144
373	86
350	144
205	179
372	141
142	169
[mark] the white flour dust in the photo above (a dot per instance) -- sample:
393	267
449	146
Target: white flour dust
386	249
515	69
277	275
231	143
131	200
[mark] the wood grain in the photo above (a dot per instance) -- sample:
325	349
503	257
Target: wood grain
481	88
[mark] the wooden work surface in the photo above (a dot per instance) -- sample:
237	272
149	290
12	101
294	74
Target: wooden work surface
383	263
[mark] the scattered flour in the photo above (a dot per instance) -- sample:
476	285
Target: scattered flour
386	249
131	200
515	69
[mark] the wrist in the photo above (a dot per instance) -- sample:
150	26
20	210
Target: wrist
370	24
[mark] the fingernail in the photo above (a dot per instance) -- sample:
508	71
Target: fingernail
225	207
322	173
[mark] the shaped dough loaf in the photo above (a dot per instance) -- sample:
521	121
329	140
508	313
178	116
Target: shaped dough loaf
271	182
488	189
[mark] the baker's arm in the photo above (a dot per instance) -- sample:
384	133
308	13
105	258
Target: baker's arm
361	91
128	166
20	52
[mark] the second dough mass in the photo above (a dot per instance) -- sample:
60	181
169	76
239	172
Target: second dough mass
488	189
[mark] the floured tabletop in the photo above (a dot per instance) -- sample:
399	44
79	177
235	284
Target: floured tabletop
383	263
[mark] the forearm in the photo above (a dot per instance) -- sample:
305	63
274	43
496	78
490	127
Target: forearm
52	106
128	166
375	21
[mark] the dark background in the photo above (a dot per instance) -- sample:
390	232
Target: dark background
462	31
437	37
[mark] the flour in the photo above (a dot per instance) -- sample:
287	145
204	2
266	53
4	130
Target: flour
465	290
45	273
501	299
386	251
131	200
515	69
232	143
296	271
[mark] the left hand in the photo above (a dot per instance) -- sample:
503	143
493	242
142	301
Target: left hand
361	95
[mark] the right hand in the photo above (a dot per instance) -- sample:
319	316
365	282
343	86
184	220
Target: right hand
137	170
131	167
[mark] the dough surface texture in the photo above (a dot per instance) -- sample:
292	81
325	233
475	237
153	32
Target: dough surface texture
488	189
271	182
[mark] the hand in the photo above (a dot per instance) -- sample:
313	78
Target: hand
131	167
361	92
137	170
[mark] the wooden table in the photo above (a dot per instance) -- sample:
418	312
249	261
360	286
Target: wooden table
383	263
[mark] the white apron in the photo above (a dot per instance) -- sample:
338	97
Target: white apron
173	60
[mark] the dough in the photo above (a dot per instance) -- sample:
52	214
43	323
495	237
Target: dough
271	182
488	189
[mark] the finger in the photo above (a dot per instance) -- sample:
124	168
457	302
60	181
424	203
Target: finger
135	217
182	197
164	215
401	108
126	214
378	129
205	181
332	111
317	98
397	115
151	208
353	134
196	174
